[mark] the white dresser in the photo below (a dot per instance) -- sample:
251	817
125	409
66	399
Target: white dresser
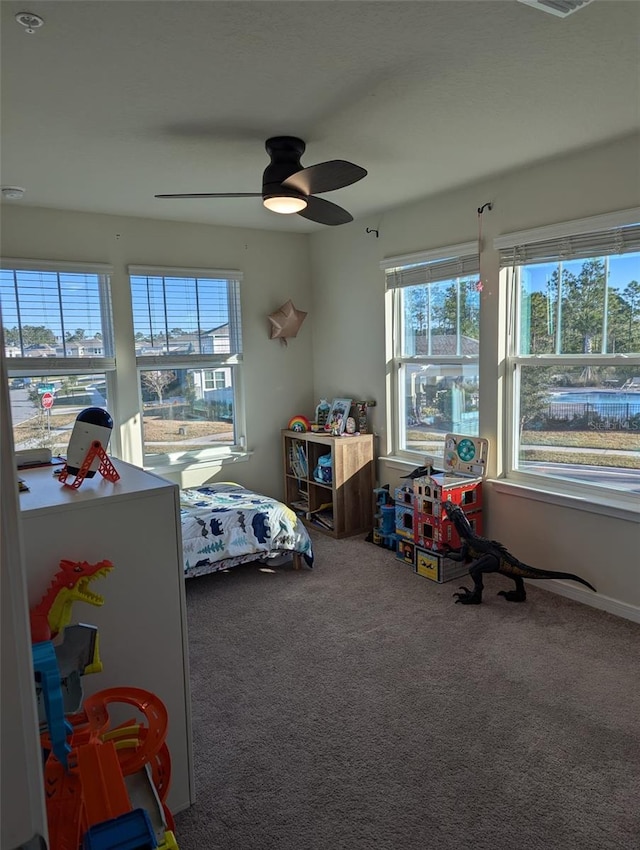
135	524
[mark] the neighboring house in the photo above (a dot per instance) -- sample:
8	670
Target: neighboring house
81	348
443	345
40	349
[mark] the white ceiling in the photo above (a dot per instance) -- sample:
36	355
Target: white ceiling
111	102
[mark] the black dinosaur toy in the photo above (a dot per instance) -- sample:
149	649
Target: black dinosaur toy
489	556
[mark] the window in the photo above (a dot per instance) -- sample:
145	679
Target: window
58	334
216	380
189	353
574	353
433	319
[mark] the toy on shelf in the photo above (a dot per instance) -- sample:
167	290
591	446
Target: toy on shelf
87	451
322	413
363	419
299	423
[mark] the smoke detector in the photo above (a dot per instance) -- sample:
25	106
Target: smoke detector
29	21
559	8
12	193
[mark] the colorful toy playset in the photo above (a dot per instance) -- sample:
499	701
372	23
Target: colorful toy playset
421	531
91	803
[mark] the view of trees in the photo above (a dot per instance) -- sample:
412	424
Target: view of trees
592	318
31	335
158	381
443	309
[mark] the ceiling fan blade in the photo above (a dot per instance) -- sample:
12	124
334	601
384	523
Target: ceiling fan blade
324	212
214	195
325	177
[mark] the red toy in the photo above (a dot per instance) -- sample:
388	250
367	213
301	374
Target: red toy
106	468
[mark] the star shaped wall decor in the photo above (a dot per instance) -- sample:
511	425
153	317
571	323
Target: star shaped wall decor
286	322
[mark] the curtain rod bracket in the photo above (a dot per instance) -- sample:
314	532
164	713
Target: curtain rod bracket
371	230
488	205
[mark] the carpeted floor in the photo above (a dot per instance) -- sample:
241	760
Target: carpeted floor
356	706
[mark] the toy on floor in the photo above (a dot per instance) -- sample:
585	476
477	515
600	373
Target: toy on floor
384	531
89	803
489	556
48	619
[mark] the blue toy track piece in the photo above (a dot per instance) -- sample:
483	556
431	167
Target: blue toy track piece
47	672
131	831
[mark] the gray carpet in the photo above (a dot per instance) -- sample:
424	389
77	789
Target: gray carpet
356	706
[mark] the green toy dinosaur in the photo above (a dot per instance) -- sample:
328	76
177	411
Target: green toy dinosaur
489	556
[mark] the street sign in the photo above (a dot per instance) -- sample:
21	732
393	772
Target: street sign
46	400
45	388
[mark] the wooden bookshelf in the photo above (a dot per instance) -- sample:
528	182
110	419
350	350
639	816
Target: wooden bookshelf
342	507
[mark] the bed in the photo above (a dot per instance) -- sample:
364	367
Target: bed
225	524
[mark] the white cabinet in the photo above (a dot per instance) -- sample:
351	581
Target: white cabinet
135	524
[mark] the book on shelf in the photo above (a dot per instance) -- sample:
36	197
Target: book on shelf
322	515
300	505
323	520
298	460
326	506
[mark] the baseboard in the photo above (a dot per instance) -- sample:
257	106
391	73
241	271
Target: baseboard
595	600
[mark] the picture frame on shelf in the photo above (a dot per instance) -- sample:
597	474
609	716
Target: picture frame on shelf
338	414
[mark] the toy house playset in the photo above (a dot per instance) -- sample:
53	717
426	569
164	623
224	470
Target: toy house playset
422	531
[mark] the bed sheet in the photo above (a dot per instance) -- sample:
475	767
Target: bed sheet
226	524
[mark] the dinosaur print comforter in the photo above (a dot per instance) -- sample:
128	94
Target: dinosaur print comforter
225	524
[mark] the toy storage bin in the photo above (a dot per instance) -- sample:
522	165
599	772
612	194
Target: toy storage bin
406	551
437	567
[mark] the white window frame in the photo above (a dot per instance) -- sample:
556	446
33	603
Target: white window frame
18	367
430	266
526	244
232	361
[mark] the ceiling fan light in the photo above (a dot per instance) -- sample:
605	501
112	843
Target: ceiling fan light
285	204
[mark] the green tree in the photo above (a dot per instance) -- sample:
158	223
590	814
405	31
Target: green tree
75	336
537	325
458	307
631	296
583	299
534	384
33	335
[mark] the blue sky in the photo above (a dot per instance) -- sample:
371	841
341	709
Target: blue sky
622	270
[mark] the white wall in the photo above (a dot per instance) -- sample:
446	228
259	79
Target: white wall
349	333
278	379
22	803
340	349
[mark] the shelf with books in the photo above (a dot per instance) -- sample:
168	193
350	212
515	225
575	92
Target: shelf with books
329	481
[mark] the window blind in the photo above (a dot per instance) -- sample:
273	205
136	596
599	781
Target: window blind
432	266
57	310
539	246
187	311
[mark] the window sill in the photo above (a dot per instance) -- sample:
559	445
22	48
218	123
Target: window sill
600	503
184	464
404	465
604	506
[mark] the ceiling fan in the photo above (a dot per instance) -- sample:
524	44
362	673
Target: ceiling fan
287	187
